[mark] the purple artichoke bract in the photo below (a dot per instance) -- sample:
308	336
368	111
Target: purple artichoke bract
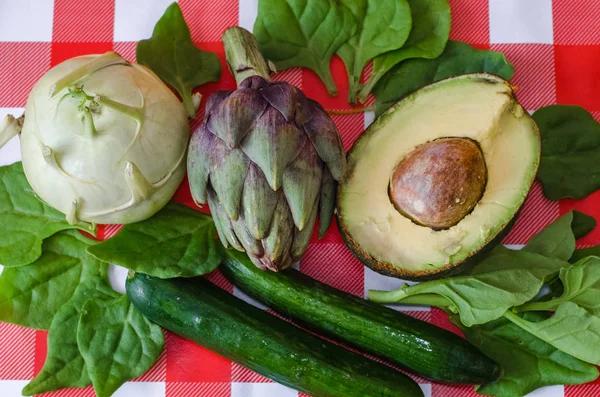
266	159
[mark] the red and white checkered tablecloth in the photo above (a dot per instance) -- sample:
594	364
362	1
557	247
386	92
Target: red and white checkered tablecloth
554	44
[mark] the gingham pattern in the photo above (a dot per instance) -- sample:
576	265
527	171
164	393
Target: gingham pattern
555	46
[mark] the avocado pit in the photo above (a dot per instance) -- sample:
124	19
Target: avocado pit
439	182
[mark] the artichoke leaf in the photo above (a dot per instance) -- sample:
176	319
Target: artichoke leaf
234	116
222	222
302	238
279	241
198	163
286	98
302	184
272	145
327	202
228	171
325	137
258	202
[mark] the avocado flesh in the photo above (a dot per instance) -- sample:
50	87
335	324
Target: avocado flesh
481	107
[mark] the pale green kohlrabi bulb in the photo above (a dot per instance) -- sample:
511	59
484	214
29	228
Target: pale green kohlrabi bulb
104	140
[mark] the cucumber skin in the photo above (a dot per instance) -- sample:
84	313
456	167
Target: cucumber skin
415	345
204	313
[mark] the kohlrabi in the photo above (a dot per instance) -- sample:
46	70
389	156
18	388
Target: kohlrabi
103	140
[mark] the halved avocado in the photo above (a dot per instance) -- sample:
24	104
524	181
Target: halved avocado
438	178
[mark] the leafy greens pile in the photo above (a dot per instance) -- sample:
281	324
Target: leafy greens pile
406	40
501	308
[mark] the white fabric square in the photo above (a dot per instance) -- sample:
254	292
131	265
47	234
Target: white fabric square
135	19
519	21
146	389
548	391
374	280
248	11
11	152
242	295
261	390
12	388
369	118
426	387
26	20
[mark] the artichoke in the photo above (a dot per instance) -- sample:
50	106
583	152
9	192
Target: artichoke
266	159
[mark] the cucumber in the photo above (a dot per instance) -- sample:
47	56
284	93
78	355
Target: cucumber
415	345
198	310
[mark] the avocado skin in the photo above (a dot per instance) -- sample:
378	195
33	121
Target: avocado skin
451	270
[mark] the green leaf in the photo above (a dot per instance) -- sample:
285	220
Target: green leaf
303	33
529	363
117	343
571	329
581	285
25	221
427	39
569	166
31	295
584	253
457	59
176	242
172	55
477	299
382	26
501	258
582	224
64	366
557	240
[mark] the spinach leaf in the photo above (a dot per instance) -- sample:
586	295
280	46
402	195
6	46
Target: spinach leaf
25	221
529	363
570	149
117	343
176	242
172	55
303	33
582	224
64	366
477	298
557	240
581	285
427	39
31	295
571	329
501	258
382	26
584	253
458	58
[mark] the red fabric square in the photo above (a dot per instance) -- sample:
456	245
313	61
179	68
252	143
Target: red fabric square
439	390
63	51
537	213
41	349
192	389
335	265
208	19
17	355
83	21
85	392
534	73
21	66
351	126
577	75
189	362
588	206
587	390
314	88
470	21
440	318
575	23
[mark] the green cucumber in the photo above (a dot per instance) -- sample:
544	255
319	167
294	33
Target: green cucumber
415	345
198	310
